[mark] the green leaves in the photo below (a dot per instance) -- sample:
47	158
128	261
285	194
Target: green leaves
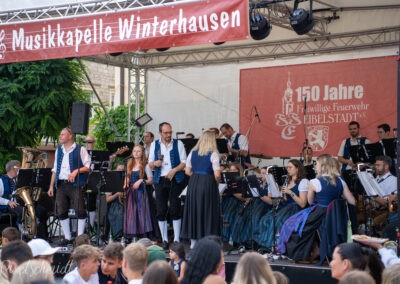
36	98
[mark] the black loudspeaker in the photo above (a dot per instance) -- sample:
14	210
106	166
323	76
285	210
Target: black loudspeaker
80	118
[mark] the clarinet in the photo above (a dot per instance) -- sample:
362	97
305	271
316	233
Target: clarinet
285	184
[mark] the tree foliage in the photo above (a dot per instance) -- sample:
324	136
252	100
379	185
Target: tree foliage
103	130
36	100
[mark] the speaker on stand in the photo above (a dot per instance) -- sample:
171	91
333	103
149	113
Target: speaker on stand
80	118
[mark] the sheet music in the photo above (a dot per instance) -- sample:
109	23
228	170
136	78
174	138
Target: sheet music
222	187
370	184
273	187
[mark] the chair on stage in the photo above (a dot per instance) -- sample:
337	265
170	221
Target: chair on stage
7	220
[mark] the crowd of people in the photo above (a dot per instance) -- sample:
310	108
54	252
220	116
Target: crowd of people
308	221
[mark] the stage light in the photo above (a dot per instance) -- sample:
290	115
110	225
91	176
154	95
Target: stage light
259	26
162	49
143	120
301	20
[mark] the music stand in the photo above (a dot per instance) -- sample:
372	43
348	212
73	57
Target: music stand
98	158
373	150
390	147
359	154
233	182
189	143
42	178
222	146
113	147
278	173
109	181
252	186
24	178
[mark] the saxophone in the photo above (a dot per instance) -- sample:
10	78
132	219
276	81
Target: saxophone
29	214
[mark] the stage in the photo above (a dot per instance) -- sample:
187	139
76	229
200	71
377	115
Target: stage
297	273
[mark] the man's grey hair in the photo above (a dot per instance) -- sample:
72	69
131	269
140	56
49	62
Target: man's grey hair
11	164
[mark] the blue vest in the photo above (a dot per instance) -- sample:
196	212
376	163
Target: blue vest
9	187
201	165
346	152
73	157
329	192
236	146
175	161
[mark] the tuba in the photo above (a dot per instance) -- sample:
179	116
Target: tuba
33	158
29	214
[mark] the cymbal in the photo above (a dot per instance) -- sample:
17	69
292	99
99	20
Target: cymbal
261	156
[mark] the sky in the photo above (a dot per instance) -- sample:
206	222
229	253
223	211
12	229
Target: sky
6	5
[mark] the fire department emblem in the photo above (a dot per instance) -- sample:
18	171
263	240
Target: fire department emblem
318	137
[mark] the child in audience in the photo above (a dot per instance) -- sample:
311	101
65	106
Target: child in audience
9	234
111	263
178	262
87	262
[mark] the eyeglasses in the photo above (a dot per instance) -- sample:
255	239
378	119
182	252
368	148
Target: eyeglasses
89	142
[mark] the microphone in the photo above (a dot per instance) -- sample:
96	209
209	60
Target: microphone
258	117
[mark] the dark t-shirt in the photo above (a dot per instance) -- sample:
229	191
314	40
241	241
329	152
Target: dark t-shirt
119	278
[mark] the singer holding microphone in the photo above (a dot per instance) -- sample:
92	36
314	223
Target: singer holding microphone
167	158
294	197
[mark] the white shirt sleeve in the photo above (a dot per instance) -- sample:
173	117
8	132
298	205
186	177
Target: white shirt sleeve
54	169
303	186
341	149
3	201
189	160
151	151
243	143
317	184
85	157
215	161
182	152
148	171
388	257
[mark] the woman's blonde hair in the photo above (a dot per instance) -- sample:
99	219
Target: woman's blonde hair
206	144
329	167
253	269
33	270
391	275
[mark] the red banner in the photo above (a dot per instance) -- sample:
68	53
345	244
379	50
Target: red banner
318	99
160	27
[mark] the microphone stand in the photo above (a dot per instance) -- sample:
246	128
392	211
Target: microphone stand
123	239
253	119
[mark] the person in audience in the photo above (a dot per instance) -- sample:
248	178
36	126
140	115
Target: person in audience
86	258
83	239
33	271
388	256
111	263
351	256
9	234
14	254
137	212
178	261
253	268
159	272
201	216
294	197
391	275
41	249
205	263
280	277
155	252
357	277
3	275
134	262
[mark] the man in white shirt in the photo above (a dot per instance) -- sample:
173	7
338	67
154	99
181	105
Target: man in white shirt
238	145
148	138
167	158
134	262
71	164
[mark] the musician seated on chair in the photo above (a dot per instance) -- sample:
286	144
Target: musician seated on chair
388	183
8	204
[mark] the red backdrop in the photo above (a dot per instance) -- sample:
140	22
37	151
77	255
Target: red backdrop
334	93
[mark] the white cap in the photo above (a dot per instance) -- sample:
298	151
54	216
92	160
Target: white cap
41	247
